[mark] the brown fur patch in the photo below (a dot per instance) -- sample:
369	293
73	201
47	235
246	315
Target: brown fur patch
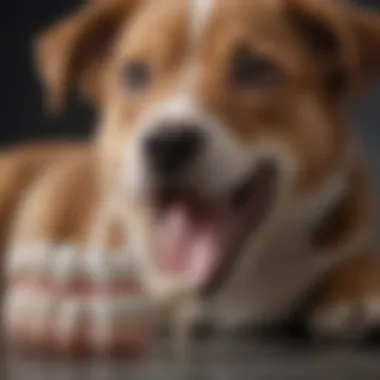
356	279
352	213
75	50
55	204
20	168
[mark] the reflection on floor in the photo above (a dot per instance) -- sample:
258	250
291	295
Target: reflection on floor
219	359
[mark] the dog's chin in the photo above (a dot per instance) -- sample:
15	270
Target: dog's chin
198	240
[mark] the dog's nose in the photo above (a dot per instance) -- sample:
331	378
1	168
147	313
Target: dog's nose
173	148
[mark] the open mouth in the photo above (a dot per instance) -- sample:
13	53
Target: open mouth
200	240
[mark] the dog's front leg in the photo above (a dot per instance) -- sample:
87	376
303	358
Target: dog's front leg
348	305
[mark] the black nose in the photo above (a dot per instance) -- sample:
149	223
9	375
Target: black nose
171	149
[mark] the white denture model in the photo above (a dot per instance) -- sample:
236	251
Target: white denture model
94	299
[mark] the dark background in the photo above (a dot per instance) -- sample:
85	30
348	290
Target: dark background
22	116
20	96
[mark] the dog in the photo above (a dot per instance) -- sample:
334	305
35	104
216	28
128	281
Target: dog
222	161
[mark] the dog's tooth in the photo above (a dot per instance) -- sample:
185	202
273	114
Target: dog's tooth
67	265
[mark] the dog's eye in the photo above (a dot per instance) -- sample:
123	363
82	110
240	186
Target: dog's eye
137	76
251	71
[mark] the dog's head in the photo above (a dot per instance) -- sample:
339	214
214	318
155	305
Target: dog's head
227	114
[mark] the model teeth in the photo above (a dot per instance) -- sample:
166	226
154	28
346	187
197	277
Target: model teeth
41	263
44	307
18	304
100	312
20	261
103	319
133	305
97	268
43	304
10	311
99	320
122	266
64	264
71	315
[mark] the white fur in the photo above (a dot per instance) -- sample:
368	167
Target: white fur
181	105
349	318
201	11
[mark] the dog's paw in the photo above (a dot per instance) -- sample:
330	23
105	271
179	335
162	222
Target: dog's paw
57	303
346	319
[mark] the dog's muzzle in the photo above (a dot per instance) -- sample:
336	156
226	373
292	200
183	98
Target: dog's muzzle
172	147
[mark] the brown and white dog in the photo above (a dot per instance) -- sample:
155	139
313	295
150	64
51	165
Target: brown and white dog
222	149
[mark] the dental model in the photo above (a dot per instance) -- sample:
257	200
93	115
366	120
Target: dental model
72	301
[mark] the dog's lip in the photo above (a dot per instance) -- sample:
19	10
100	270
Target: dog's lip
265	175
235	217
240	195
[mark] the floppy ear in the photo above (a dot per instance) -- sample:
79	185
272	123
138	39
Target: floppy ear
345	39
74	51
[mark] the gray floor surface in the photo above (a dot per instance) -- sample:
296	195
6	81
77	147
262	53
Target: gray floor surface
219	359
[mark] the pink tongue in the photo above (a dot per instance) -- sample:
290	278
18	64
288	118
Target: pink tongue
189	246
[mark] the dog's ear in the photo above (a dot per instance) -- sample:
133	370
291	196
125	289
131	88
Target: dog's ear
73	52
345	40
